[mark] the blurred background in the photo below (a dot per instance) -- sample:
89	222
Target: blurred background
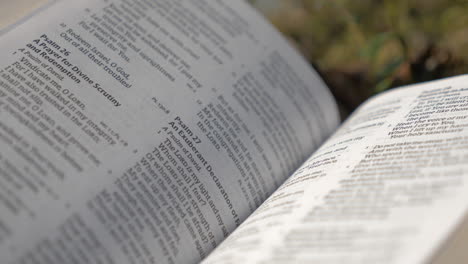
13	10
360	47
368	46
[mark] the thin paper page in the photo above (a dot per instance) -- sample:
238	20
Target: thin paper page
146	131
388	187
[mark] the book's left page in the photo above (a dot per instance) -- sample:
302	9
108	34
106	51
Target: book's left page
138	131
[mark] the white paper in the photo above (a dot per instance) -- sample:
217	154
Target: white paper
146	131
388	187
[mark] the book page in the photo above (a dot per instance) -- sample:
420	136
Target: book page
136	131
390	186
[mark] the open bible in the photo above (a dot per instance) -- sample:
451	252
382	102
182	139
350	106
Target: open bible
185	131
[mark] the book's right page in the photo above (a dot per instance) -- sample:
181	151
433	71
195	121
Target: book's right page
389	187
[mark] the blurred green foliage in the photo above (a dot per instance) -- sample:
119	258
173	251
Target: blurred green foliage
368	46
